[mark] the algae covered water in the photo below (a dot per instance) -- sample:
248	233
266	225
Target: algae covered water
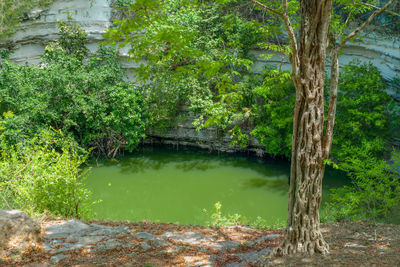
167	185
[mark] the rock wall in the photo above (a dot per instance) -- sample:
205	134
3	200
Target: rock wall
183	133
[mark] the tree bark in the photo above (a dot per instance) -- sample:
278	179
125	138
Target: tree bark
307	165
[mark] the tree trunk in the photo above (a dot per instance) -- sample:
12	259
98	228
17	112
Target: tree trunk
310	145
307	164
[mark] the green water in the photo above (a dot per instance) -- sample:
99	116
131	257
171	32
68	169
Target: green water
166	185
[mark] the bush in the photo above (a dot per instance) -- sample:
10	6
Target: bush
44	175
86	97
364	112
273	118
374	194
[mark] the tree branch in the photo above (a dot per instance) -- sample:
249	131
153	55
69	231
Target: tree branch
387	11
293	41
267	8
345	23
327	140
289	29
366	23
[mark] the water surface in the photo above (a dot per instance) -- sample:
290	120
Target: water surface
168	185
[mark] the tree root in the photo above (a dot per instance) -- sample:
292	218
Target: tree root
290	247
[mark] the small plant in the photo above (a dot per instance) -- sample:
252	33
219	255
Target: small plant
218	219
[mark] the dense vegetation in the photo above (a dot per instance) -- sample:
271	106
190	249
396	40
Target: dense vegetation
85	97
57	111
209	72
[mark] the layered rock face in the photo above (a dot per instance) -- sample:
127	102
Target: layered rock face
30	40
183	133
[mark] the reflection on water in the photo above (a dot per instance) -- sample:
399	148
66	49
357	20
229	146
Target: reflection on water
278	184
162	184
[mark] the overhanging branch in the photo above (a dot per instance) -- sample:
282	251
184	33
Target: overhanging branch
268	8
366	23
386	11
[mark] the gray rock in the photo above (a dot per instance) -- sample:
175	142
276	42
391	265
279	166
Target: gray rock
107	246
187	237
353	245
225	245
158	243
251	257
203	263
57	258
172	250
88	240
64	229
263	238
16	225
66	248
145	236
145	246
254	257
52	242
109	231
236	264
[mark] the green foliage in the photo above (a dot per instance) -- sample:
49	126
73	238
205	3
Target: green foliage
122	3
195	56
89	101
273	119
364	111
13	11
238	137
72	40
44	175
375	191
218	219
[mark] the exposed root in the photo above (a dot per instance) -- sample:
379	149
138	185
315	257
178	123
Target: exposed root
290	247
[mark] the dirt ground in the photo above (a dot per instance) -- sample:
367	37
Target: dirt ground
351	244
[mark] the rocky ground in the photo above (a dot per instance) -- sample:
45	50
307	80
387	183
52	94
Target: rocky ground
73	242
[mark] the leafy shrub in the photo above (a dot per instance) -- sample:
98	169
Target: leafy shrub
375	191
273	118
87	98
44	174
364	112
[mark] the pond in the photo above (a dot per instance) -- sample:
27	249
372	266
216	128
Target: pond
163	184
